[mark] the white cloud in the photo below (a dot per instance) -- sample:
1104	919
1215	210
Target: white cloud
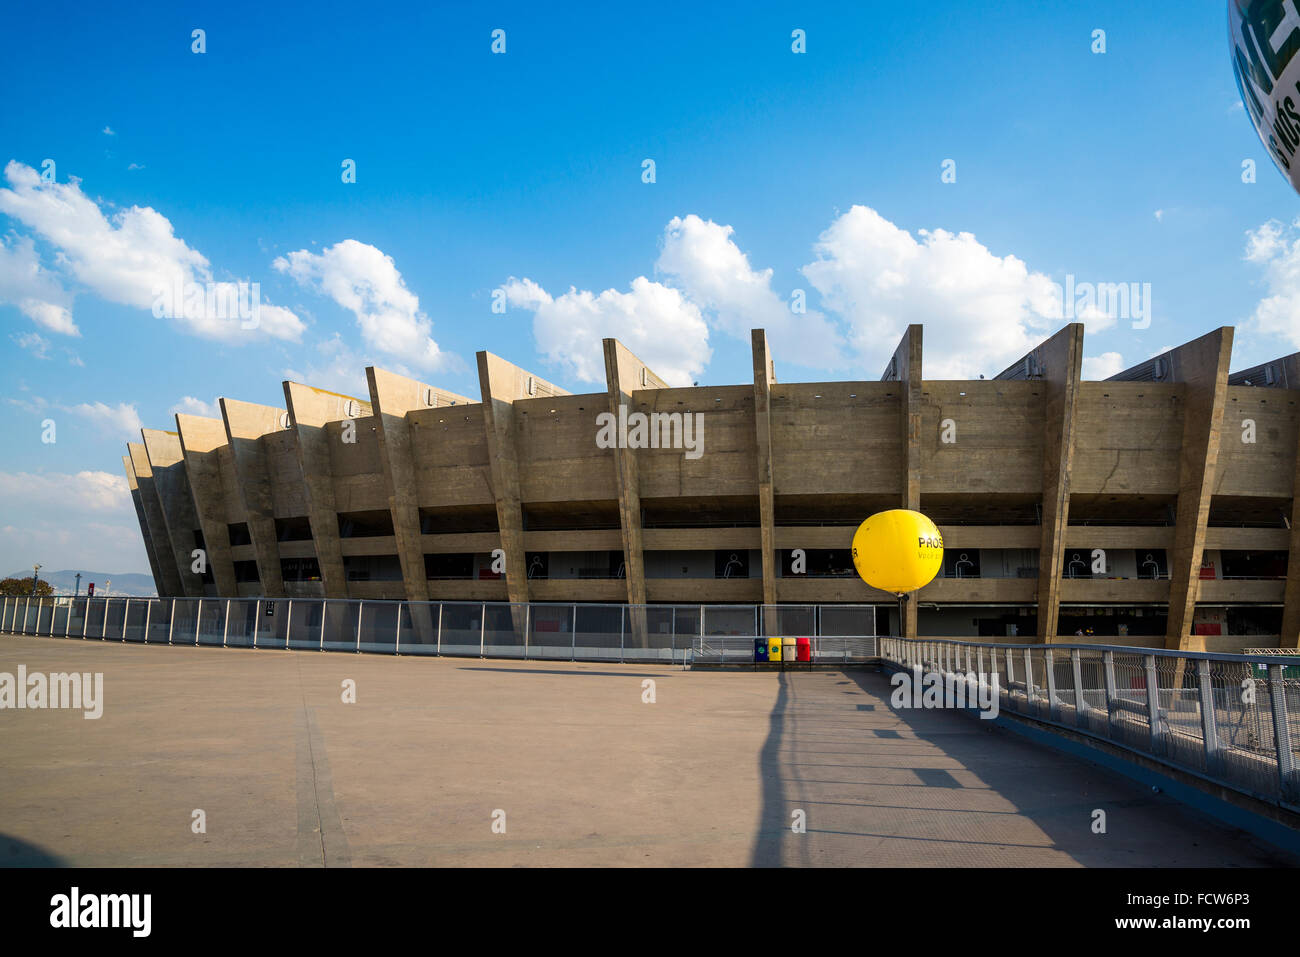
981	311
34	290
121	417
660	325
339	370
1160	214
361	279
188	405
701	259
84	491
134	259
35	343
1103	366
108	131
1275	248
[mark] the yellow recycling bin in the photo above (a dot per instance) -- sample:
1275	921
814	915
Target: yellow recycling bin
774	649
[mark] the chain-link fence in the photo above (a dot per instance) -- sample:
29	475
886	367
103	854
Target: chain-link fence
1234	719
569	632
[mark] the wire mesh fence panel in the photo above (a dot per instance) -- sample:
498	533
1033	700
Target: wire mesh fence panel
1178	717
62	612
778	620
733	620
160	621
241	619
598	633
550	632
137	613
185	622
647	635
272	630
45	616
304	625
504	631
115	618
1092	669
462	628
847	620
417	628
341	618
211	623
31	612
76	618
379	627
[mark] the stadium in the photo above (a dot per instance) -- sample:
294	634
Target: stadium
1156	507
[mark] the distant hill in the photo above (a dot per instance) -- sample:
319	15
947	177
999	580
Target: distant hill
124	584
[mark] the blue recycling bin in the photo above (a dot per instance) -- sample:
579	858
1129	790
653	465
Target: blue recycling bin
760	649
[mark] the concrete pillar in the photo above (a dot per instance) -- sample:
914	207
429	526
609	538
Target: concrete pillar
311	413
177	501
905	369
391	397
201	441
245	424
158	534
764	379
1202	365
624	375
501	383
137	499
1058	365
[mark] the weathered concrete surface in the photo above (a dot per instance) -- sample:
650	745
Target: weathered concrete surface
587	774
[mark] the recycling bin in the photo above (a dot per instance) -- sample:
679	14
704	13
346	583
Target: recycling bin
774	649
760	649
787	649
803	650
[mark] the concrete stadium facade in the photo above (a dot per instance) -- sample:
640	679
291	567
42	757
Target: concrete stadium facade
1156	507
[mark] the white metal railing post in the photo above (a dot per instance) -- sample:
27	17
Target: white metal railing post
148	618
622	628
361	614
528	618
482	627
1049	676
171	621
103	625
198	620
1080	703
1112	716
85	618
257	619
225	626
126	619
1282	734
573	635
324	610
1029	684
397	641
1209	721
1153	704
288	625
438	647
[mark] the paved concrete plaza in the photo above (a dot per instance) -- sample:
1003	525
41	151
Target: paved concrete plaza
586	773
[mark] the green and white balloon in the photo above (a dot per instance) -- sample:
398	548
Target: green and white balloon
1265	41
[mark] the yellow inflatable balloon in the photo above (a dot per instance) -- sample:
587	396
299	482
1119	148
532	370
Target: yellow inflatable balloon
897	551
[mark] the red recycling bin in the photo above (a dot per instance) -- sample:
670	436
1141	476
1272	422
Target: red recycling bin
803	649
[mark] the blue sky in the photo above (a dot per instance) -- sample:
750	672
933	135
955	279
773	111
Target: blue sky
523	172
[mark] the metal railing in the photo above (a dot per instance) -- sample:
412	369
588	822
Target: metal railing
824	649
1232	719
537	630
